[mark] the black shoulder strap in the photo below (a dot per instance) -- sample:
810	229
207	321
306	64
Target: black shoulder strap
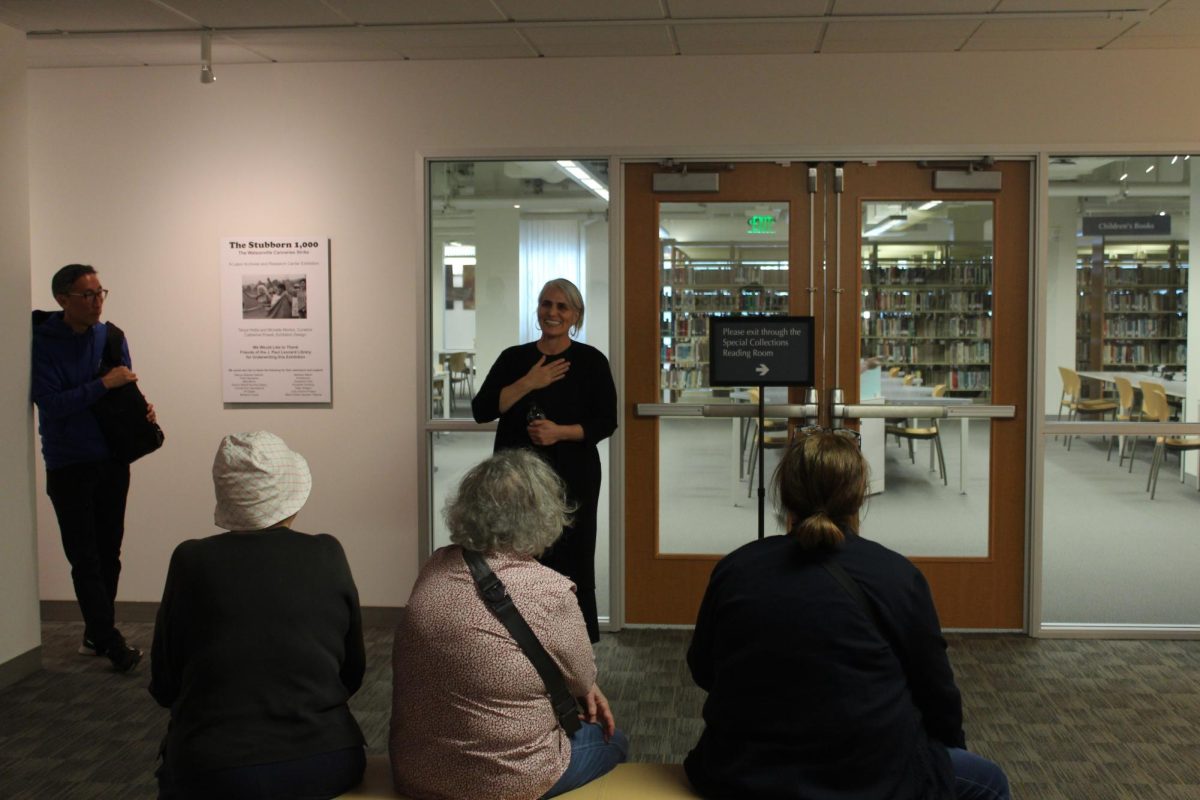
854	590
492	590
115	337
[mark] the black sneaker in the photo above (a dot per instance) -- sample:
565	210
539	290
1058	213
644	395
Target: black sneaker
88	648
123	657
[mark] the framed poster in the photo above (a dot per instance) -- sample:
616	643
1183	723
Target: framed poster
275	320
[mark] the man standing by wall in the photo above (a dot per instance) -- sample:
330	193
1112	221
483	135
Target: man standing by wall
86	484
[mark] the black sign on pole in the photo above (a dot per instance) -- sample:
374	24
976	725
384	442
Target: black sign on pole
760	351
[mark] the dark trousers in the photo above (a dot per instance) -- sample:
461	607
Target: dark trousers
89	501
317	777
574	555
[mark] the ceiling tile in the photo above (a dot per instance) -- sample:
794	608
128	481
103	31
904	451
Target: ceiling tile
1014	43
1099	31
86	15
602	40
581	9
238	13
905	45
401	12
76	53
748	38
1076	5
745	9
912	7
1188	41
866	31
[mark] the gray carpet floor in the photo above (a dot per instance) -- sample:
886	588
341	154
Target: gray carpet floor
1068	719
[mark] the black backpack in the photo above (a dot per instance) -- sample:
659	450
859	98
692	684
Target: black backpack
122	411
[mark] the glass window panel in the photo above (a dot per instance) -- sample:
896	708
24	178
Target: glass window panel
498	231
718	259
926	328
1118	283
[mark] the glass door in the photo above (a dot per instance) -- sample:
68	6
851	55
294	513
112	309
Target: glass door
918	298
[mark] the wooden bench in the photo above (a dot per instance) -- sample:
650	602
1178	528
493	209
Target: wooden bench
626	782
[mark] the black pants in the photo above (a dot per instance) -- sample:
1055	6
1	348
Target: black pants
318	777
574	555
89	501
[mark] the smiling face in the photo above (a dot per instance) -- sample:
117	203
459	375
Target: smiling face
80	312
555	314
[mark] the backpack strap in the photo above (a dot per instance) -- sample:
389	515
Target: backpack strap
496	596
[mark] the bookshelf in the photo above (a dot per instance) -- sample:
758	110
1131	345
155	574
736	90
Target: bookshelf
1137	304
701	280
927	309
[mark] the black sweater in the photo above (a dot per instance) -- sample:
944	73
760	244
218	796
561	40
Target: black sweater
807	701
258	646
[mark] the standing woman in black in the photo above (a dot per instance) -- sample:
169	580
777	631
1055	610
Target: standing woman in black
556	396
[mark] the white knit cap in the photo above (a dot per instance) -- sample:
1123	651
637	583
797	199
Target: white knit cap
258	481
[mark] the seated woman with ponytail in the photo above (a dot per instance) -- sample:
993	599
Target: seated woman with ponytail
824	663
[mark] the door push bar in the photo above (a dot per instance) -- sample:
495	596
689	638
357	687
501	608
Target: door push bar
840	411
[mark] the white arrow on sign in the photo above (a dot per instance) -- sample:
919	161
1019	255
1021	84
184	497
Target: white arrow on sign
762	369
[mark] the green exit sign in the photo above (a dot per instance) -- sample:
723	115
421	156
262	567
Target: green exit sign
761	224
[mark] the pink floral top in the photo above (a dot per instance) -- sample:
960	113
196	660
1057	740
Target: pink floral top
470	715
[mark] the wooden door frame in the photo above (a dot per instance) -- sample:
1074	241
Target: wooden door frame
982	593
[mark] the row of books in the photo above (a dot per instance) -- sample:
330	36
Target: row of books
1146	276
960	273
933	300
1148	353
741	274
1145	302
1145	327
976	326
934	352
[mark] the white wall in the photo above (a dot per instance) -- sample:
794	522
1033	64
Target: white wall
141	171
20	630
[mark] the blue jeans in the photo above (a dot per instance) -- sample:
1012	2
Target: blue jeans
976	778
591	757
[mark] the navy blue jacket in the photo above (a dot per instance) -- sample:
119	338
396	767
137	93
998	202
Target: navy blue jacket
66	383
806	699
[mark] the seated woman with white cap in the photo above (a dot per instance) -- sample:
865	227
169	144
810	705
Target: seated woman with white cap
258	644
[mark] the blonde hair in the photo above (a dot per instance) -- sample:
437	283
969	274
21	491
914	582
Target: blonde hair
821	482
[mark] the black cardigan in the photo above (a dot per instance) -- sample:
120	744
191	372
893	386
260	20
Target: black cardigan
806	700
258	646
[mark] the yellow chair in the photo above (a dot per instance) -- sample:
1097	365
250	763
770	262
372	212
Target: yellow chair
914	432
1072	400
1125	413
1155	408
893	372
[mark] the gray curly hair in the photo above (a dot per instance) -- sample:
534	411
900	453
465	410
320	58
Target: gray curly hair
512	502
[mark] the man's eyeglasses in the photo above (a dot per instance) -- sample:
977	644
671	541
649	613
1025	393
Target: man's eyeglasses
90	296
847	433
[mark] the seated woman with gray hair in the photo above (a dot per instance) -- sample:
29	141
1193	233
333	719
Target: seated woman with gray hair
470	715
258	644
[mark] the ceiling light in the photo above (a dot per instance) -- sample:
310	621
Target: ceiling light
1174	159
1149	169
929	205
516	205
886	225
206	70
585	178
1124	175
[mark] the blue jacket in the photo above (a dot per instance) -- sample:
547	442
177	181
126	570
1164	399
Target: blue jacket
66	383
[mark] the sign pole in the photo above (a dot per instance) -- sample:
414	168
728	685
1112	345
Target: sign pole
762	492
